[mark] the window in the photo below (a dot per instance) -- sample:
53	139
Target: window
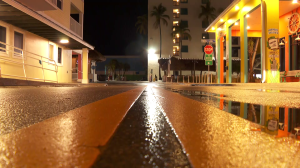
183	1
185	37
184	23
184	11
176	13
2	38
205	24
175	50
205	36
184	48
205	1
282	56
51	52
18	43
175	2
294	54
60	4
59	54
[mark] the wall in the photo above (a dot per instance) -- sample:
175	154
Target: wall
35	45
63	16
284	32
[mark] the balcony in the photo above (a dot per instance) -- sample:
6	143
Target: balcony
176	15
175	3
176	40
75	27
176	53
40	5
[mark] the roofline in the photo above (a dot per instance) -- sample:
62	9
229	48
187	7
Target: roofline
232	5
47	22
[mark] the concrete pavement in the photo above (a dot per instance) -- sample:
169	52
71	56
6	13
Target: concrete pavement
161	128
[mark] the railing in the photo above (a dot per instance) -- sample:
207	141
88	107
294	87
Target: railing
176	40
205	78
25	59
75	27
75	73
175	3
176	15
176	53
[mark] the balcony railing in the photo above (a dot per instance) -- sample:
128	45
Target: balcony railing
176	53
176	40
176	15
175	3
27	59
75	27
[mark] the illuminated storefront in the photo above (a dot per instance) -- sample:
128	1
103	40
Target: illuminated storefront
259	40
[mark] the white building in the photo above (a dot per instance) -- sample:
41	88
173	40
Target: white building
179	11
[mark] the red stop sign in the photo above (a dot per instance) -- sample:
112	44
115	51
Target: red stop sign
208	49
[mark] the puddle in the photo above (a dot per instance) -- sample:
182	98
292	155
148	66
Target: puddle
277	121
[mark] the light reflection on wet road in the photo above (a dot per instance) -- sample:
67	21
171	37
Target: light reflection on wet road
143	139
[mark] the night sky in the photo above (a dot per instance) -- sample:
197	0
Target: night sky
109	25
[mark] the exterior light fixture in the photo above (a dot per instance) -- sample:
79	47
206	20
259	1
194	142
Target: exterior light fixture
151	51
236	23
64	41
248	27
247	16
219	29
230	21
213	28
297	39
295	1
222	20
237	7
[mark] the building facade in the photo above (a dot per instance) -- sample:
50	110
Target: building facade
180	11
268	33
38	39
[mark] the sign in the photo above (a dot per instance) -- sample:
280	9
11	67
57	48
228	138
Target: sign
208	59
208	49
272	31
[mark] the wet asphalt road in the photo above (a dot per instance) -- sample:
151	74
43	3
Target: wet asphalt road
22	107
143	139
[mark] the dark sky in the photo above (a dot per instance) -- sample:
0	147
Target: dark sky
109	25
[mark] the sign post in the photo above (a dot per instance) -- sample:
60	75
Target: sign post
208	49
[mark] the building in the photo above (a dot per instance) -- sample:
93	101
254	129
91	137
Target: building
94	58
269	28
38	39
184	11
136	70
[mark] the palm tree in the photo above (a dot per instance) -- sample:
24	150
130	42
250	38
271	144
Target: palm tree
208	13
112	65
120	67
159	13
126	68
142	24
